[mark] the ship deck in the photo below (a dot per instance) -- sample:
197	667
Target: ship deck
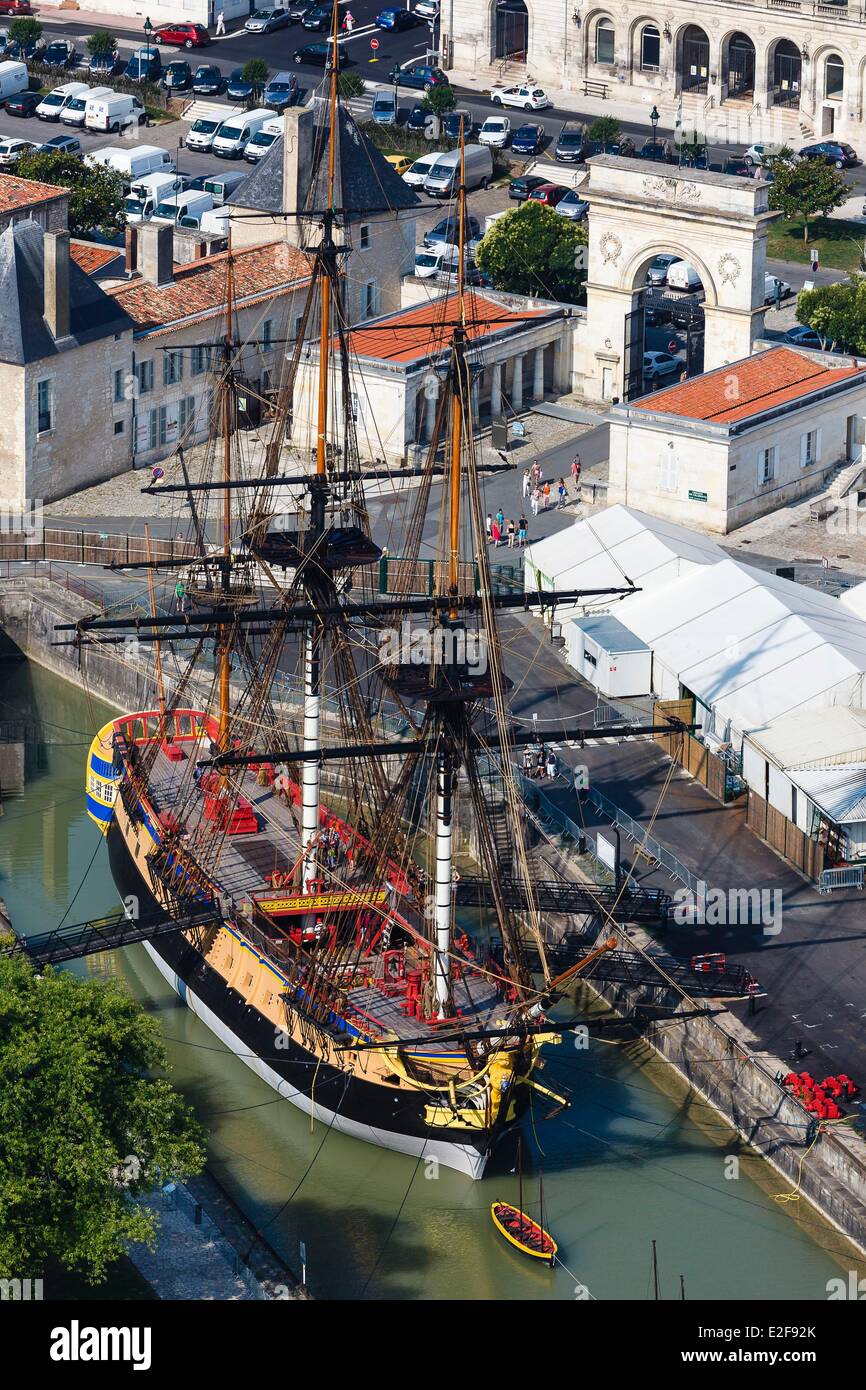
245	861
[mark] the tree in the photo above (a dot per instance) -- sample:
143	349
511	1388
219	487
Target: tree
96	193
255	70
605	130
86	1123
101	41
351	84
532	250
440	99
837	313
806	188
24	31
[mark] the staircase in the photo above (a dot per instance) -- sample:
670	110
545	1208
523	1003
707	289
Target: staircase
843	478
751	121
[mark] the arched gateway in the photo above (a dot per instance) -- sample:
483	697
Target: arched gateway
637	211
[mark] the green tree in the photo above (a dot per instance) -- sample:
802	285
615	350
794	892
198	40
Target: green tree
806	188
101	41
351	84
25	31
85	1122
96	193
440	100
255	70
605	130
532	250
837	312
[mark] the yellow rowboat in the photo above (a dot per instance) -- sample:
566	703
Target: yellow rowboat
522	1232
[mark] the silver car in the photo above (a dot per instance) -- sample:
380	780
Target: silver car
572	206
265	21
657	270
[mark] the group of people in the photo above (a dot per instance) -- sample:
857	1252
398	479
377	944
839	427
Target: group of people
537	764
539	490
502	532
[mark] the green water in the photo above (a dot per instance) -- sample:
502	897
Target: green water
630	1162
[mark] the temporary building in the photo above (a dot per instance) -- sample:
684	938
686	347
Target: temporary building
609	656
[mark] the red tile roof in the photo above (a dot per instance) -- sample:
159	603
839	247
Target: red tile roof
198	289
90	257
413	337
23	193
749	387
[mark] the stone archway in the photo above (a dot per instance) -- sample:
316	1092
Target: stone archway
510	30
716	222
694	60
738	68
786	75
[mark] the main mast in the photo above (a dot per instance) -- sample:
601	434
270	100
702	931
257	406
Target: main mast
224	662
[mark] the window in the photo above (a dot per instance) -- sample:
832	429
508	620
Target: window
168	424
118	426
766	465
186	416
267	335
146	431
604	41
200	359
810	448
650	49
588	656
144	371
299	323
364	236
834	77
669	472
119	385
44	406
172	368
369	299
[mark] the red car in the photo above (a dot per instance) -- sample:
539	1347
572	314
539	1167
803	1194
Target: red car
549	194
183	35
15	7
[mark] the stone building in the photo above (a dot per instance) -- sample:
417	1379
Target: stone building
377	207
793	67
26	199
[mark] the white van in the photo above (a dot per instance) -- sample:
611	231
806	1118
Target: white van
444	177
433	260
52	106
74	111
222	186
115	112
215	222
141	202
233	136
14	78
418	172
682	276
263	139
200	135
134	161
190	205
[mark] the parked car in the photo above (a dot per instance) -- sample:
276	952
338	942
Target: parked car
549	194
145	65
452	123
25	52
417	119
447	230
319	18
74	112
207	80
384	110
520	188
572	146
299	8
525	95
182	35
419	75
281	91
802	336
428	9
22	103
832	152
59	54
775	288
15	7
624	147
739	166
683	276
396	19
659	364
695	159
61	144
659	151
657	270
416	174
495	132
315	53
105	64
266	21
177	77
527	139
759	154
572	206
53	104
444	176
11	151
237	88
399	163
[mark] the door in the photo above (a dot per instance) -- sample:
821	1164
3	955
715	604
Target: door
695	348
632	385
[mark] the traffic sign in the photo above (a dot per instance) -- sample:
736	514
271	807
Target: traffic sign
157	473
374	44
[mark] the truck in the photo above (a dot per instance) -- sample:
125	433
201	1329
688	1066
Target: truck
146	193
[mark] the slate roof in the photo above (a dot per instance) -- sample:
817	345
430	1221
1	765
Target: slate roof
24	335
364	178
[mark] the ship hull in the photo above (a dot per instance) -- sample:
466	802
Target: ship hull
389	1119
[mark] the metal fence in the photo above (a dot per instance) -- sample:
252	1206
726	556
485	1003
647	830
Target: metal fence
840	878
647	844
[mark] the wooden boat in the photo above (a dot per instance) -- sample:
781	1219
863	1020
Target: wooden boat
521	1231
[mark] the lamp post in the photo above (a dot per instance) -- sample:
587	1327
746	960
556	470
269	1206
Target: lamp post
148	30
654	119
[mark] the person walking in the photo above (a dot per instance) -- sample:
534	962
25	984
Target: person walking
488	525
527	481
495	531
550	765
521	531
575	469
500	517
536	500
560	492
535	472
545	493
512	532
180	595
349	22
220	24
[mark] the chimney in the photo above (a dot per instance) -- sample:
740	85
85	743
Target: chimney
297	164
56	283
156	252
130	249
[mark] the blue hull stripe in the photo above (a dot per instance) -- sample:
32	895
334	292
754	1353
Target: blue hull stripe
99	810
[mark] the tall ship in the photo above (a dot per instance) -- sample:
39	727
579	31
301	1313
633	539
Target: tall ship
310	862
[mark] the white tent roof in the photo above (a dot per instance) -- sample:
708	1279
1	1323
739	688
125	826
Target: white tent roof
616	547
854	600
819	738
840	792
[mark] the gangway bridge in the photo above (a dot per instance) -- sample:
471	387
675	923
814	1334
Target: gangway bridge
628	904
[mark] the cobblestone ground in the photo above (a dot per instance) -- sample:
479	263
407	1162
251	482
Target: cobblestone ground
191	1262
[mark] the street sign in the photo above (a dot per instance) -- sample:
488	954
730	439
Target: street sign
157	473
374	44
